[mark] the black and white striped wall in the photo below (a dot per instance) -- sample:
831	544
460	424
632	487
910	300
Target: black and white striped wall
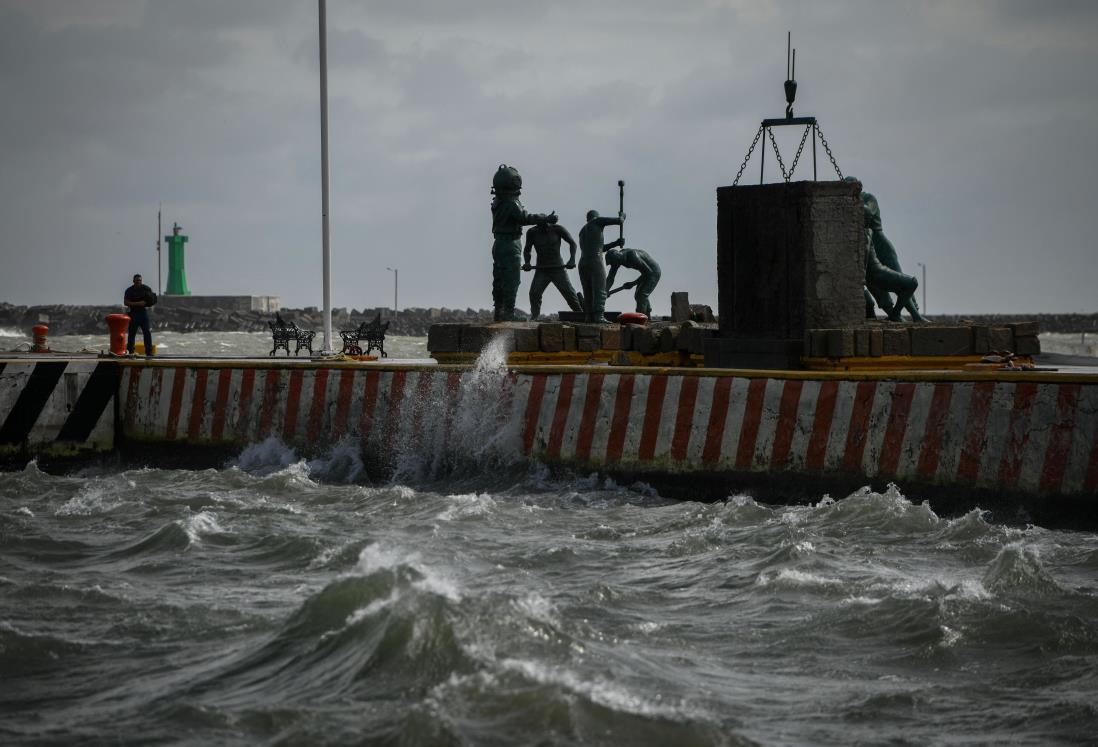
54	408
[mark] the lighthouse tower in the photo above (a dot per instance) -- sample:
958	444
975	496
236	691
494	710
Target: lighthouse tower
177	270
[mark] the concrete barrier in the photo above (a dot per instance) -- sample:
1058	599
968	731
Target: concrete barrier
1033	435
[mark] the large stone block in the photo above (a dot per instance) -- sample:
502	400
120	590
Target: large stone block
444	338
474	337
680	306
568	337
587	344
980	344
1025	329
611	337
895	341
840	343
552	337
933	340
790	257
1030	345
645	340
876	342
861	342
1000	340
669	339
527	339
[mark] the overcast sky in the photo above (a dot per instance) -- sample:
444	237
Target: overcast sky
974	123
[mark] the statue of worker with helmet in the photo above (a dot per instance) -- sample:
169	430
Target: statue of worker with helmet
508	219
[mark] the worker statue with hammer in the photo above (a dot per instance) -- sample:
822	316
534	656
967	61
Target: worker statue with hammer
642	262
592	267
545	238
508	219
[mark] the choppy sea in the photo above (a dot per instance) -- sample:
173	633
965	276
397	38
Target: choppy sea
291	601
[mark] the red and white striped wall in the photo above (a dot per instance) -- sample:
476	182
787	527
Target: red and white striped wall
1036	436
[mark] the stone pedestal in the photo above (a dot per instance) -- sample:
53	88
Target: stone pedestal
790	258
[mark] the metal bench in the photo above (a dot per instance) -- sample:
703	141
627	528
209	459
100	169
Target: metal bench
285	332
373	334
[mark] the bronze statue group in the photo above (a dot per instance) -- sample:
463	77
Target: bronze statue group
510	258
883	274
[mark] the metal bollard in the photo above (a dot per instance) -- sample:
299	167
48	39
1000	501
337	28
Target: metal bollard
118	324
41	345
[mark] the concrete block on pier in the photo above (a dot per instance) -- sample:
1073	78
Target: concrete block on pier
680	306
929	339
1025	329
861	342
527	339
475	337
1000	339
444	338
611	337
876	342
980	345
840	343
568	337
1029	345
552	337
895	340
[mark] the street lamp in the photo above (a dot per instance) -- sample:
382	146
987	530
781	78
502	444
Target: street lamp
396	281
923	284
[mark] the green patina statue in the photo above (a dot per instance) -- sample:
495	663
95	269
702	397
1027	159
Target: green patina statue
883	274
550	269
642	262
592	268
508	219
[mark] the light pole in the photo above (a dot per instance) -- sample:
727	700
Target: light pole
326	252
396	282
923	284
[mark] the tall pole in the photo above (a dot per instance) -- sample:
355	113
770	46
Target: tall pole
327	254
159	284
396	284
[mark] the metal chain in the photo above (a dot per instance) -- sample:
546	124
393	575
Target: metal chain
777	153
747	157
827	148
797	157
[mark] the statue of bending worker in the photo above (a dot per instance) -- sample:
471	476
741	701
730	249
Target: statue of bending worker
642	262
883	274
508	219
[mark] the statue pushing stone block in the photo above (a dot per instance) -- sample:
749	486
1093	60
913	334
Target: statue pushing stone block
642	262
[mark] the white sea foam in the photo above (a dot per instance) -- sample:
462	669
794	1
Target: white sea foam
342	463
25	511
375	558
793	578
92	498
265	457
467	505
200	524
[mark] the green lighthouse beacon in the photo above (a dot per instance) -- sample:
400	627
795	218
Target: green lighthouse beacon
177	271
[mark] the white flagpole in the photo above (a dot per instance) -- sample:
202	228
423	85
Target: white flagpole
327	260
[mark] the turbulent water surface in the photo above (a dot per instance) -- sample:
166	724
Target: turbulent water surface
476	599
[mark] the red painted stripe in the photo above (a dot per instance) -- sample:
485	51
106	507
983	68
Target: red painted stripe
816	452
271	381
590	416
560	414
935	429
224	381
749	431
453	387
244	412
533	411
859	426
684	419
293	403
422	401
369	404
718	413
968	468
619	423
176	403
198	404
343	403
787	421
316	411
132	394
653	410
1059	438
396	403
1017	434
896	429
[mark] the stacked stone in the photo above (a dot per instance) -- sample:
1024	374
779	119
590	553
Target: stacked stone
558	337
875	339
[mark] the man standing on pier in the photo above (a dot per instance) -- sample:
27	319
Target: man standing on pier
138	298
545	239
592	267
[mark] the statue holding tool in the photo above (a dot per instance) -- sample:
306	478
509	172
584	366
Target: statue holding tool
642	262
545	239
592	267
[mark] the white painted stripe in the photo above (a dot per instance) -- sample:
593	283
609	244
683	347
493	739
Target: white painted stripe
802	428
955	432
733	424
637	413
911	446
699	426
668	413
1038	427
1083	437
995	435
840	425
877	426
12	382
768	424
605	417
575	416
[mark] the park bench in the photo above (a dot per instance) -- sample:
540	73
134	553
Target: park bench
373	334
286	332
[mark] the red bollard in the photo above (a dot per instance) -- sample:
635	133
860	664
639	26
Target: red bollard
40	344
118	324
632	317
